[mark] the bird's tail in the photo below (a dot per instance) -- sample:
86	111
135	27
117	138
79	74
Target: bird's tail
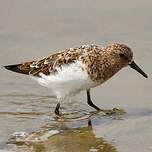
23	68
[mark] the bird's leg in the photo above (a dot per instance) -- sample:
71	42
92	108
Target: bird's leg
57	109
89	101
109	112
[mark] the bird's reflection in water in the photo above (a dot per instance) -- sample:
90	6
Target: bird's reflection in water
60	138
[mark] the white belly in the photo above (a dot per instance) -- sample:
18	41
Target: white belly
69	80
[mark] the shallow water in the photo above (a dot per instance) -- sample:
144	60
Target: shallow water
34	29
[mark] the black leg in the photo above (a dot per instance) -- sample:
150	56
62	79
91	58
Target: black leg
90	102
57	109
89	122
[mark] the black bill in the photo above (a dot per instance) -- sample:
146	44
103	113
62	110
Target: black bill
135	67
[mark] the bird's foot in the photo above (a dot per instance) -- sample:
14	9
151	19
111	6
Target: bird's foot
114	111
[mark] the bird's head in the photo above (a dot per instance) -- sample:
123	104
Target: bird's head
122	55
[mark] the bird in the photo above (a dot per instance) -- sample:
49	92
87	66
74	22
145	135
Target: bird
76	69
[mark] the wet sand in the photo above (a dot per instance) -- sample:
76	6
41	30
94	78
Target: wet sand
34	29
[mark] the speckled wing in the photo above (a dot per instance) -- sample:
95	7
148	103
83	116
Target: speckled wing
51	64
34	68
46	66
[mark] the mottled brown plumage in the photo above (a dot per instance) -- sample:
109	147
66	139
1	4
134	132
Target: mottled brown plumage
76	69
101	63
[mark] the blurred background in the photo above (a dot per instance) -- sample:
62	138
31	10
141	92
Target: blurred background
33	29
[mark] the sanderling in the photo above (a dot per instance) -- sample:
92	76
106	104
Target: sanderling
82	68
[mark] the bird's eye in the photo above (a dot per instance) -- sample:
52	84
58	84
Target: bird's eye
121	55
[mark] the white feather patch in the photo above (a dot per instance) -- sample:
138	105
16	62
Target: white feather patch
70	79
